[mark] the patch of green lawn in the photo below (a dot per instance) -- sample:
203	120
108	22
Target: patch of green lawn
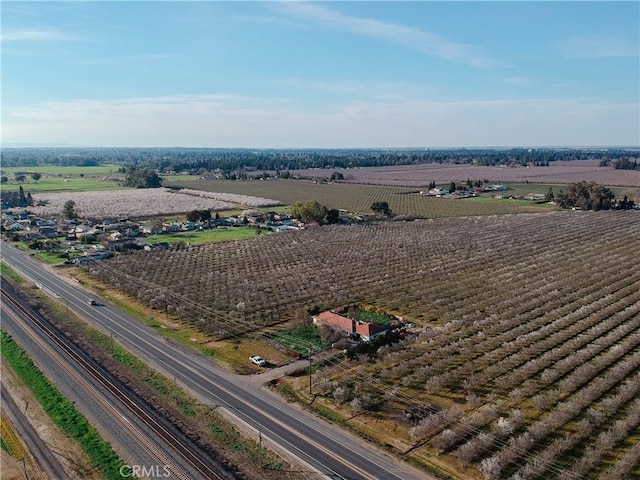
60	184
10	272
527	188
59	170
52	258
63	179
204	236
507	201
166	179
299	339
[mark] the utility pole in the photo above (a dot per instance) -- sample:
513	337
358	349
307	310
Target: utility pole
260	446
24	467
309	370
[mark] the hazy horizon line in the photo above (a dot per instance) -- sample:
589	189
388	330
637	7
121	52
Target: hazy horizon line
438	147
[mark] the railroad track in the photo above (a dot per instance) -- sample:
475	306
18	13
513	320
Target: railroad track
177	441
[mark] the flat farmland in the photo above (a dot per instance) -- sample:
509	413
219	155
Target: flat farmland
64	179
52	184
358	198
525	362
421	175
143	202
133	202
58	171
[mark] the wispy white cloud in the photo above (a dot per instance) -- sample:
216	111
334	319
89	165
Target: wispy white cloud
241	121
141	59
599	46
413	38
34	35
365	89
277	20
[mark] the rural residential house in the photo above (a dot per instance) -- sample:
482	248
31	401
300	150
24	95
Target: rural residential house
362	330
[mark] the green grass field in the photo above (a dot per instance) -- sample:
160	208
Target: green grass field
60	184
60	171
527	188
62	179
205	236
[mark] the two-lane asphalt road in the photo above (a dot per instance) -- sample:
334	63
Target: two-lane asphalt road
326	451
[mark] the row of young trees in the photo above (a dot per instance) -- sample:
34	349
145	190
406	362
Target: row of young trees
530	337
132	203
371	247
21	178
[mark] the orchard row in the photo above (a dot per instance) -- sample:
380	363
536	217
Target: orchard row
358	198
527	363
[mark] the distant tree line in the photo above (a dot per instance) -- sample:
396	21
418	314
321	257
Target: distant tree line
232	162
621	164
626	164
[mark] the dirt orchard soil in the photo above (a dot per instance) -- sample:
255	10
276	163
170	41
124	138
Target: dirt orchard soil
420	175
232	354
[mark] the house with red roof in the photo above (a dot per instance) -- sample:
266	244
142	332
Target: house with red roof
365	331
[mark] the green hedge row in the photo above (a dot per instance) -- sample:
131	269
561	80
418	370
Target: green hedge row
61	410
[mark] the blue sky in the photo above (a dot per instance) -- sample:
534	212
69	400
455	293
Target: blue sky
321	74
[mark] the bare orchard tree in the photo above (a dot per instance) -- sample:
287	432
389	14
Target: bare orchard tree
445	439
491	468
342	394
475	447
362	404
329	334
